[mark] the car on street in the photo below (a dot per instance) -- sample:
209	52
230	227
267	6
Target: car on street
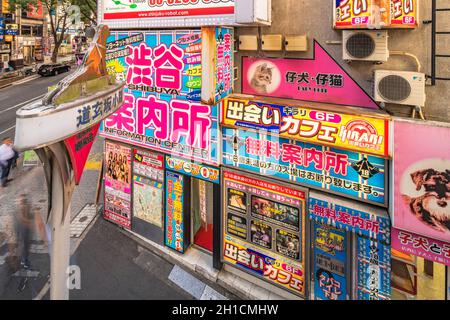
53	69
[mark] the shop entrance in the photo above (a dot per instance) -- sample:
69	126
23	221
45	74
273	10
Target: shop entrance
202	207
414	278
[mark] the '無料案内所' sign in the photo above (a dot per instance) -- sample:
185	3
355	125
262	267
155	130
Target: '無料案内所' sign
362	133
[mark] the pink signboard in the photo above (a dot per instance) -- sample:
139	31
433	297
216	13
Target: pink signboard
423	247
422	178
320	79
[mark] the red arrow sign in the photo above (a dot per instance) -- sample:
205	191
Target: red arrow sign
79	146
320	79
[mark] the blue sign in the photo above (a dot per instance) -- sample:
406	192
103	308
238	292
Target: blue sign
330	169
174	217
330	263
374	269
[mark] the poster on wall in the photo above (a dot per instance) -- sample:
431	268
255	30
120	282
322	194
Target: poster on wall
162	109
347	173
330	263
264	230
148	164
174	218
367	133
373	269
118	184
224	64
422	178
148	201
159	13
320	79
404	13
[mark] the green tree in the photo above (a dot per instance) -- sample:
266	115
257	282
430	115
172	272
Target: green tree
62	16
88	10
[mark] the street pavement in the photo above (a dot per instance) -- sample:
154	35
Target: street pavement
18	95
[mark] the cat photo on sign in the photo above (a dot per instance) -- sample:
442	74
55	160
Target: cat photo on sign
264	77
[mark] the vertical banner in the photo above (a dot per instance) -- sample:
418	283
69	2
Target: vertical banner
224	64
422	178
330	263
373	269
162	109
118	184
148	201
174	211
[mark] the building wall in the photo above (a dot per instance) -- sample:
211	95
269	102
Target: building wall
314	18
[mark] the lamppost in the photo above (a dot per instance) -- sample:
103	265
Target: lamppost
61	129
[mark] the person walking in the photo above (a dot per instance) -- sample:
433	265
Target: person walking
8	157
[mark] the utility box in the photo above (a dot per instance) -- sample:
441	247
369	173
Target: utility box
254	12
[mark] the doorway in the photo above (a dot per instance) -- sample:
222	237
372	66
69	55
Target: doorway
202	207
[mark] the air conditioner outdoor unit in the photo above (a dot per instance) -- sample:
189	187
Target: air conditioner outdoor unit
400	87
365	45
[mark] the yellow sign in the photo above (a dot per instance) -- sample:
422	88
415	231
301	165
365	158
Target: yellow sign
8	38
362	133
5	6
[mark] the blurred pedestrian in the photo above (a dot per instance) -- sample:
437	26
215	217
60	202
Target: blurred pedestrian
8	157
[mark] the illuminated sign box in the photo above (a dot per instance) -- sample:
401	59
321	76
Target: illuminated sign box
177	13
375	14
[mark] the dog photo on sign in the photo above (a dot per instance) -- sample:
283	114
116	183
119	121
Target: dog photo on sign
425	188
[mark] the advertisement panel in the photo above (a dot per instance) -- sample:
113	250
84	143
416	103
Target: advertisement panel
362	133
420	246
196	170
320	79
162	71
422	178
350	216
12	29
224	62
148	164
330	263
361	14
148	200
35	11
174	220
347	173
264	230
373	269
118	184
165	13
404	13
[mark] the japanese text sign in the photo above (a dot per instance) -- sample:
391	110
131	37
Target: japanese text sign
420	246
174	211
162	70
362	14
347	173
148	164
330	263
404	13
352	132
193	169
224	62
264	230
422	178
350	216
118	184
320	79
373	269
